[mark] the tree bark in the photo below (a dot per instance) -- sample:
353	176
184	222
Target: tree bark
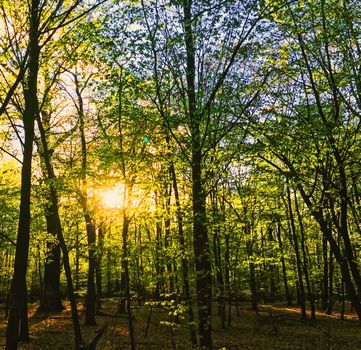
185	270
325	277
123	276
51	297
220	286
227	279
50	300
200	234
59	234
330	286
126	276
98	267
17	327
167	235
298	257
305	264
284	271
252	275
336	251
90	301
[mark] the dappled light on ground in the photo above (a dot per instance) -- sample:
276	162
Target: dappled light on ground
277	327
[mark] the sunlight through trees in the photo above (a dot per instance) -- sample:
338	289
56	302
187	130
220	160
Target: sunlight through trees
180	167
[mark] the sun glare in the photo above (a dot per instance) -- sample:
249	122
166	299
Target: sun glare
112	198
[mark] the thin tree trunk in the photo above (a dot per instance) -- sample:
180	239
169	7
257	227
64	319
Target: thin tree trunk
98	267
90	301
227	279
159	285
252	276
325	279
343	298
77	258
167	236
185	272
108	265
220	287
127	278
123	277
336	251
348	263
330	286
271	270
284	271
305	264
298	257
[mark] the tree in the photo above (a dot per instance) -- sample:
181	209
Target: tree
323	112
42	25
183	63
18	319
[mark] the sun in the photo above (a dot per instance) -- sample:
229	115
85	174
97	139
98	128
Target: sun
112	198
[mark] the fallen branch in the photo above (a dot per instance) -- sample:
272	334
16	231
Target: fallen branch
93	344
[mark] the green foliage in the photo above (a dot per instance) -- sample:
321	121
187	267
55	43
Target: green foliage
285	116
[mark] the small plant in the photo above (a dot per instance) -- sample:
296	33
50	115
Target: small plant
175	311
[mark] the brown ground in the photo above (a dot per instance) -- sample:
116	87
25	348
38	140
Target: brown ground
277	328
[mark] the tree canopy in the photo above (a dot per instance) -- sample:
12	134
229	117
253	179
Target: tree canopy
179	155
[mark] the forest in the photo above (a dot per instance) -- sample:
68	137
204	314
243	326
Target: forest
180	174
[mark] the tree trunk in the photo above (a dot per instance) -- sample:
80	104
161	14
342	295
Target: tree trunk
201	252
51	297
59	234
252	275
167	235
123	276
126	276
305	264
330	286
17	327
220	287
219	279
185	273
271	271
284	271
108	264
325	284
336	251
227	279
77	258
159	285
298	257
200	235
98	267
90	301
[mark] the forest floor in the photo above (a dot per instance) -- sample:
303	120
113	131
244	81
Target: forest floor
277	327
